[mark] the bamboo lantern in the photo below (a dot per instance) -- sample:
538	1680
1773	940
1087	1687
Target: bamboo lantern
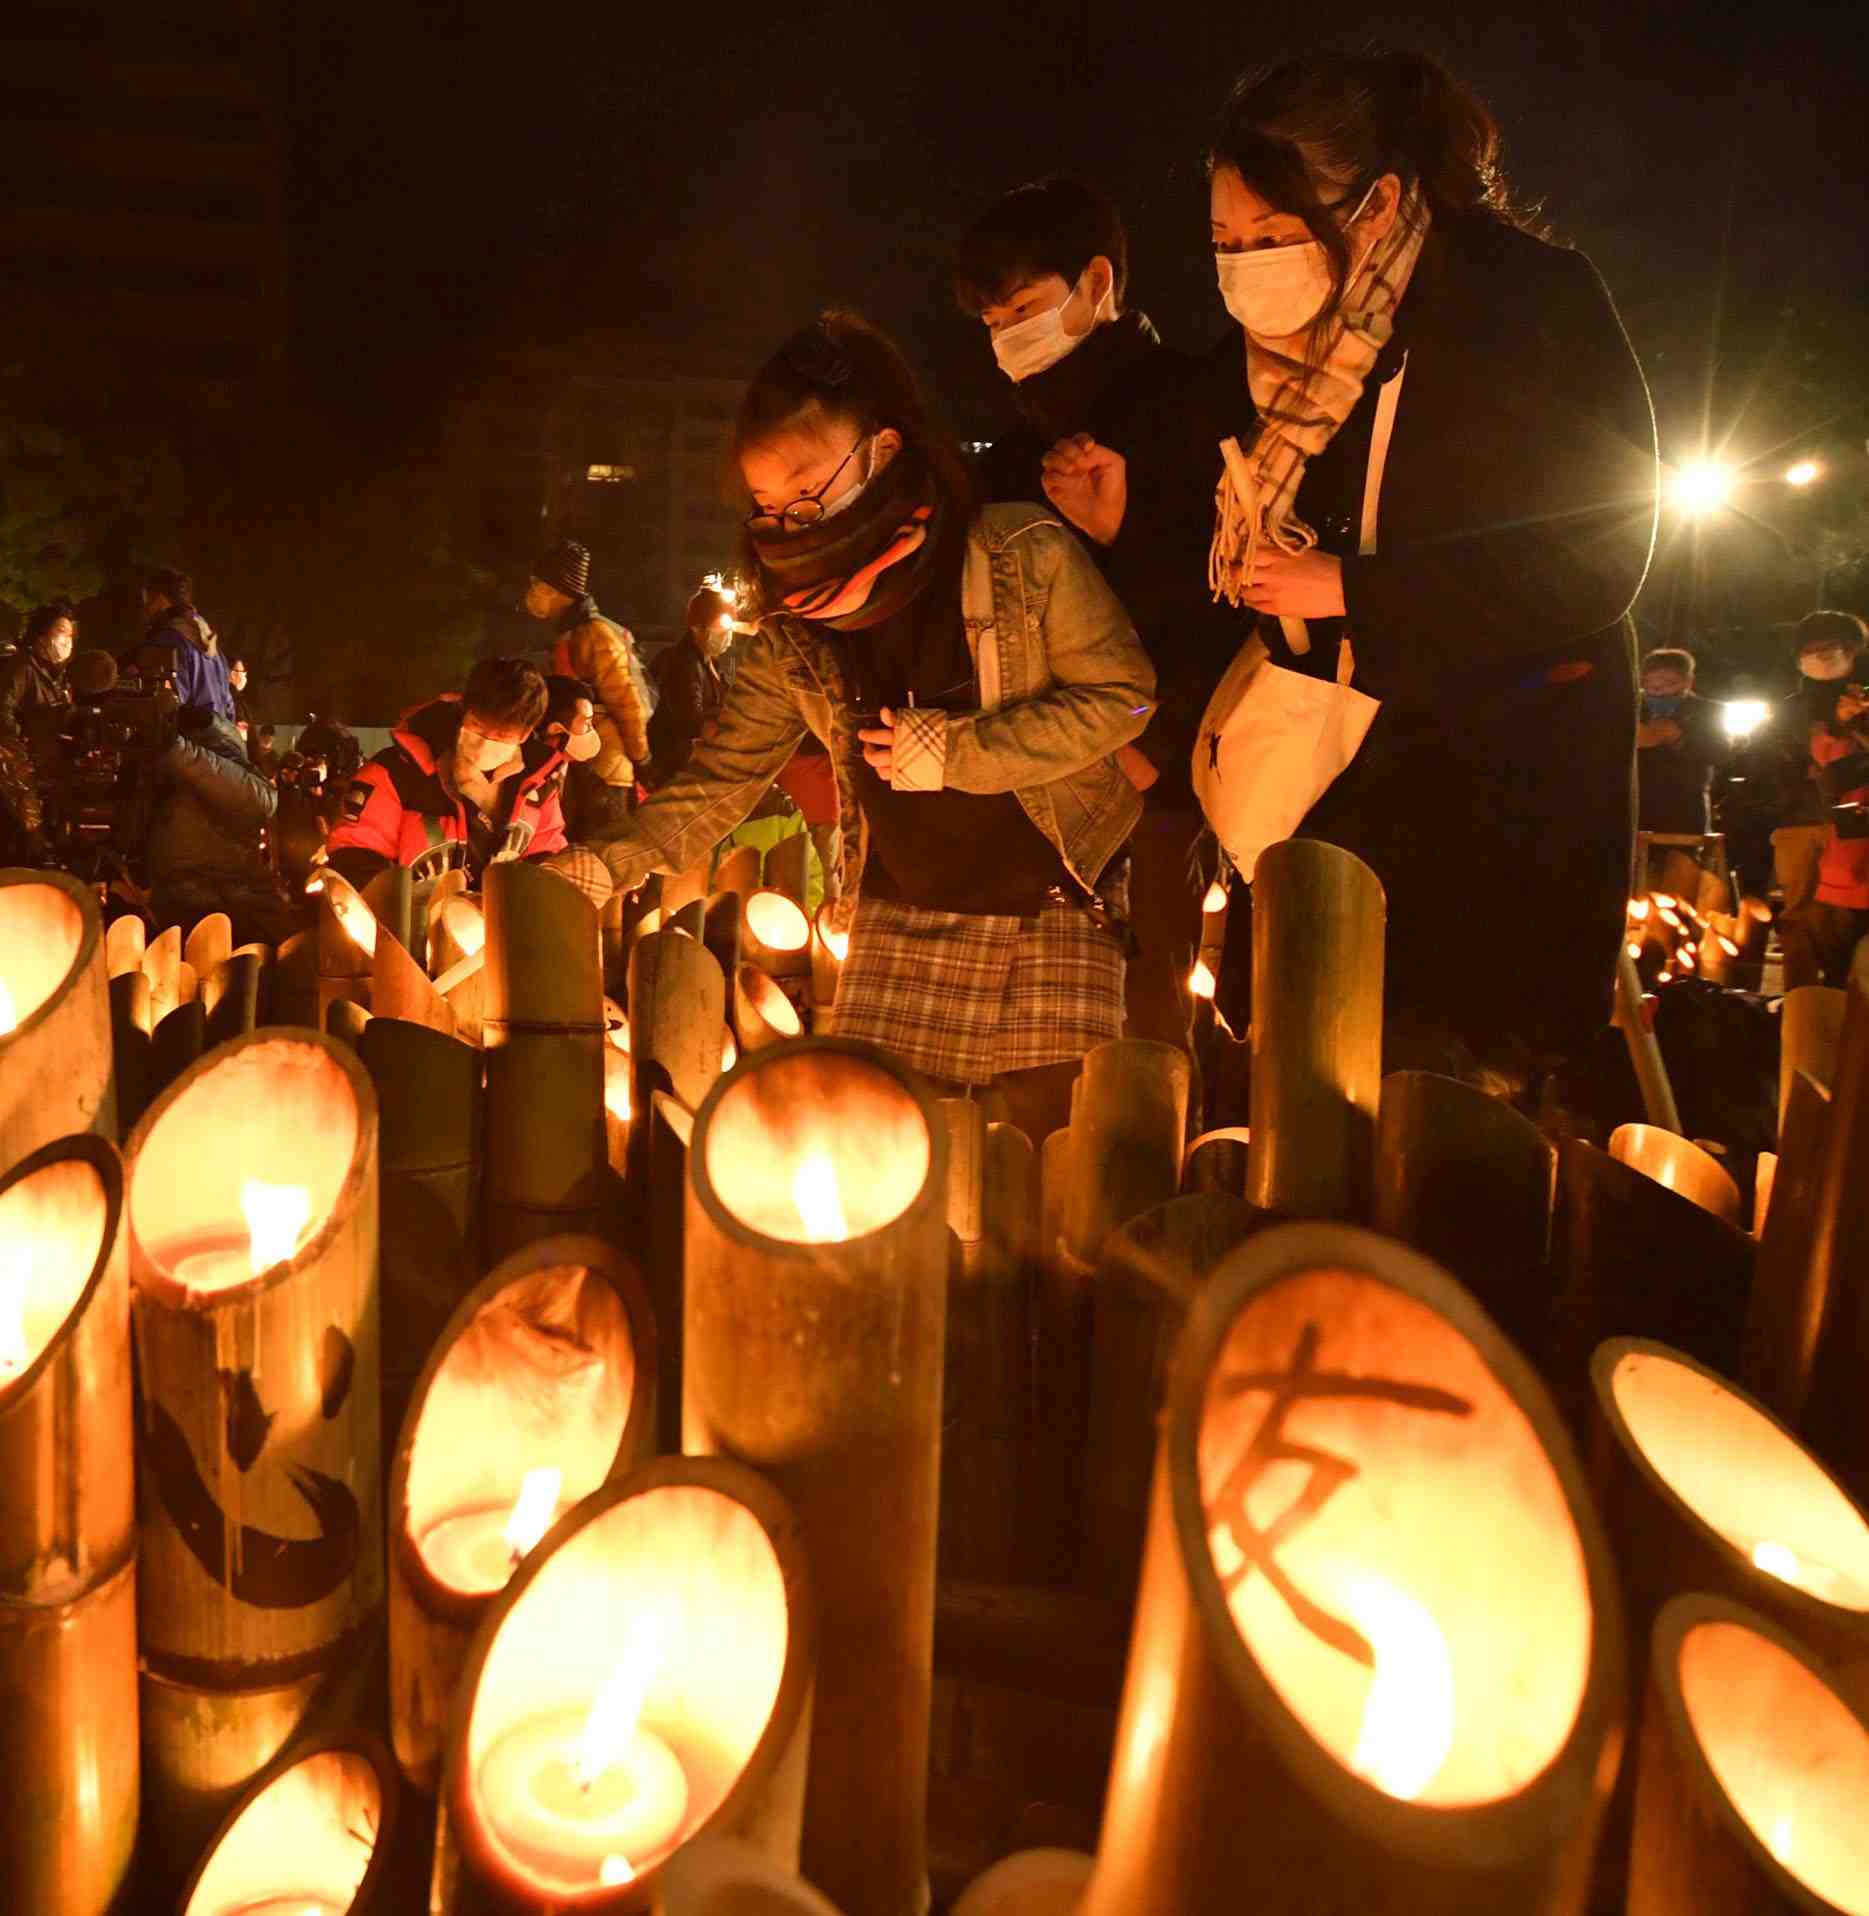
829	949
400	988
762	1014
253	1255
1631	1258
1318	929
680	889
1468	1181
391	896
1216	1161
1753	1775
547	1169
125	942
131	1040
431	900
1703	1489
719	1877
1764	1177
690	920
788	868
210	942
1147	1277
1061	1340
720	932
618	1110
677	1005
347	939
346	1020
1785	1309
1672	1161
1632	1020
1420	1693
739	872
541	1388
671	1126
311	1837
646	926
464	986
1128	1124
1810	1036
295	981
67	1533
233	995
457	930
162	965
661	1642
55	1034
776	935
1035	1882
178	1041
816	1295
429	1155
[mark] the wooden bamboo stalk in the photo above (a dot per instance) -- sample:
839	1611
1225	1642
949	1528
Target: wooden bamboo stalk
259	1406
391	896
717	1875
125	942
762	1014
464	986
233	994
295	981
1469	1182
347	938
829	949
1060	1393
55	1029
721	932
457	930
1752	1774
162	963
739	872
776	935
547	1171
346	1020
817	1357
1810	1037
429	1158
431	902
714	1554
683	888
1785	1309
549	1364
130	1040
690	920
677	1005
1216	1162
788	869
1032	1882
1443	1490
210	941
1128	1126
1651	1074
400	988
1319	920
178	1041
1681	1166
671	1125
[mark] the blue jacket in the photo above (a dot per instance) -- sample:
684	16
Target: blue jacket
199	666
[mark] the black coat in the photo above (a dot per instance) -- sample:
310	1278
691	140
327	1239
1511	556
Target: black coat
1494	793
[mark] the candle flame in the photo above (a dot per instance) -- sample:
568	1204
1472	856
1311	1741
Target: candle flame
533	1510
611	1725
1685	958
1201	979
314	884
729	1053
1776	1560
1408	1715
615	1870
1635	951
15	1275
1780	1844
1672	919
837	943
1216	899
616	1083
1727	946
1638	910
9	1015
820	1203
1663	902
358	920
276	1215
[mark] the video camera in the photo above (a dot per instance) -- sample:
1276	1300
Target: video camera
92	776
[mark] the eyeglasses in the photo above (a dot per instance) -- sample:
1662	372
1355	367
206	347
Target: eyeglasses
805	510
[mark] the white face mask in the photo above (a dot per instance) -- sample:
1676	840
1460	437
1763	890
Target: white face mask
481	753
1276	291
1035	345
1824	669
852	492
58	650
582	745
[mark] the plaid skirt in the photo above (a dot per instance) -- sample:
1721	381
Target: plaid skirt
967	998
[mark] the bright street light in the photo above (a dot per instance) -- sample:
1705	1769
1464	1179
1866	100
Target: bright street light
1703	486
1743	717
1803	473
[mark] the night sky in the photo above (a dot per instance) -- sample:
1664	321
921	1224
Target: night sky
465	173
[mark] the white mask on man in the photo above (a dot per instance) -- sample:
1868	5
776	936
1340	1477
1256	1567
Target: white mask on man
1275	291
1035	345
1825	667
481	753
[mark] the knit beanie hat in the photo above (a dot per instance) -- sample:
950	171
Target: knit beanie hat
566	568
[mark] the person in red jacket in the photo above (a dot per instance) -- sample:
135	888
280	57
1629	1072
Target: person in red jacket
469	779
1840	756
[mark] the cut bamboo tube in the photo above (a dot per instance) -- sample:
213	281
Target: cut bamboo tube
705	1560
1216	1161
690	920
1469	1182
346	1020
464	986
391	896
295	981
547	1367
233	994
319	1823
1318	928
1128	1125
788	869
125	942
429	1155
347	940
431	901
1034	1882
130	1042
1764	1176
717	1876
1651	1074
1412	1667
776	935
400	988
671	1125
816	1295
1785	1310
178	1041
547	1170
1061	1337
457	928
55	1031
683	888
619	1113
829	949
261	1565
1752	1774
762	1014
677	1005
209	943
721	933
162	965
1681	1166
646	926
739	871
1810	1036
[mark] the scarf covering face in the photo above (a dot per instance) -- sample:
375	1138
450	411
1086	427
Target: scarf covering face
859	568
1300	408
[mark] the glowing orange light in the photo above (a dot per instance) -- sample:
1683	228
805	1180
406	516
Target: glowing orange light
1685	958
1639	910
358	920
1216	899
15	1275
1727	946
837	943
276	1214
9	1016
466	923
1662	901
729	1053
616	1085
1635	951
1201	979
615	1870
819	1202
533	1510
314	884
776	922
1408	1716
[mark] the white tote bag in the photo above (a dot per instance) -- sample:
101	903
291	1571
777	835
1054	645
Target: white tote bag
1273	741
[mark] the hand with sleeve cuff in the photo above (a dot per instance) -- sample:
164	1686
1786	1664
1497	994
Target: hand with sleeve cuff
907	748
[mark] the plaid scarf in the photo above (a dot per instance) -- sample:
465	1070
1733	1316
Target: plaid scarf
1300	407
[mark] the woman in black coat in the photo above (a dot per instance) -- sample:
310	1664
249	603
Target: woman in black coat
1515	516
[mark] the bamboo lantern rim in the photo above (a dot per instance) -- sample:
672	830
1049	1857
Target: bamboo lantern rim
465	921
775	1120
834	940
765	998
46	942
630	1329
296	1104
722	1876
1711	1451
225	1877
738	1660
1763	1733
1678	1164
44	1183
1464	1426
777	920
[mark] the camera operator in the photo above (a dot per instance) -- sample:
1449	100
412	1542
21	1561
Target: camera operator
35	692
191	655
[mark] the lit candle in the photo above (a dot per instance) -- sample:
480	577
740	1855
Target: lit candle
475	1551
590	1798
276	1216
1201	979
819	1202
1216	899
1408	1715
16	1347
1820	1579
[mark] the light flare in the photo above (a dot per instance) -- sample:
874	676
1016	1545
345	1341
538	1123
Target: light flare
617	1708
837	943
358	920
1216	899
533	1510
1639	910
819	1201
614	1871
1201	979
276	1216
1408	1714
1776	1560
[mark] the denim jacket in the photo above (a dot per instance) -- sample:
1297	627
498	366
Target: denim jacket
1063	682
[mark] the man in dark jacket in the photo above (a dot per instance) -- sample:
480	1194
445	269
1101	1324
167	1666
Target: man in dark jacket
191	655
1678	744
1045	269
692	677
35	692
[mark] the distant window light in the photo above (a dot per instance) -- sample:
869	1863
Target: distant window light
609	475
979	447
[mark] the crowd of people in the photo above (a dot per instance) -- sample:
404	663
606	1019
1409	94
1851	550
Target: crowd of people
1361	573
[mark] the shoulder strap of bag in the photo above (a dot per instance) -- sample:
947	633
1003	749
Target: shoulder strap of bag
1387	399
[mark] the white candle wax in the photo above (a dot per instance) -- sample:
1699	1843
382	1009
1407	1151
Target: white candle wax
1822	1580
213	1263
469	1550
293	1905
